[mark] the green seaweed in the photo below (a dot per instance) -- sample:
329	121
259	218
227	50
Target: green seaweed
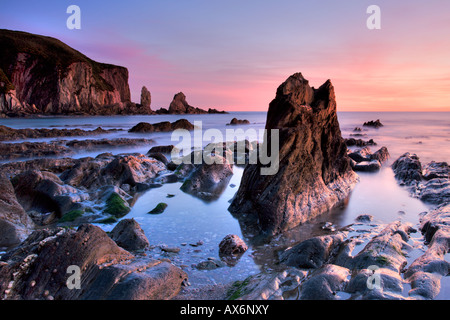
383	260
71	215
238	289
160	207
116	206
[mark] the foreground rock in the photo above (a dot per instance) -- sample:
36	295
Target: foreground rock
364	160
231	248
426	272
314	171
430	183
331	267
73	191
129	235
38	269
207	180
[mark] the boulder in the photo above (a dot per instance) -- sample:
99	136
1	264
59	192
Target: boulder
324	283
208	180
106	270
45	192
367	166
312	253
236	121
129	235
131	169
360	155
408	169
429	183
314	170
426	271
231	248
365	160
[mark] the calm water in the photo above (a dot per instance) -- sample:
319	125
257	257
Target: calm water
188	220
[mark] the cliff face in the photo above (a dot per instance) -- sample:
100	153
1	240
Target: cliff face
314	171
42	75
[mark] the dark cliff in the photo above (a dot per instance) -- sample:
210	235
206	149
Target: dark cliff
42	75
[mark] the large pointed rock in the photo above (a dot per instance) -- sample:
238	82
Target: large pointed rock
314	171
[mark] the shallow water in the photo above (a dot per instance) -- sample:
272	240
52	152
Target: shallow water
188	220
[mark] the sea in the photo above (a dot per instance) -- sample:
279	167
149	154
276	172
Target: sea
189	221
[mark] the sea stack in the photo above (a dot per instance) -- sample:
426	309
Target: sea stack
146	98
314	171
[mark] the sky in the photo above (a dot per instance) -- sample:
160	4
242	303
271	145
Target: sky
232	55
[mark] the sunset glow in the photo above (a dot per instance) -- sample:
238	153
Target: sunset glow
232	55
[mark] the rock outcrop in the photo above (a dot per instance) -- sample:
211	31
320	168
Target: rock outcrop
364	160
129	235
209	179
430	183
42	75
314	170
39	269
236	121
146	98
374	124
179	105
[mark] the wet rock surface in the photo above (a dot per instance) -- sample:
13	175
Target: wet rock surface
107	271
129	235
208	180
373	123
430	183
364	160
314	171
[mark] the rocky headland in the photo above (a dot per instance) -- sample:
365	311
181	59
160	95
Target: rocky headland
41	75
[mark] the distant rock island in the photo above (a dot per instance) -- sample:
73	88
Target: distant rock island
41	75
179	105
